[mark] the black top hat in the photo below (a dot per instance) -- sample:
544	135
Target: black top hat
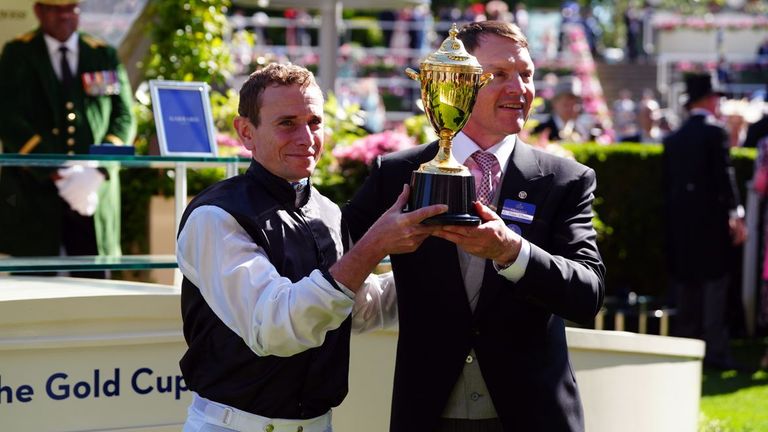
699	86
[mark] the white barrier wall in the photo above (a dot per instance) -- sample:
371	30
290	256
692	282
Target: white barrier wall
89	355
628	382
636	383
688	41
79	354
740	33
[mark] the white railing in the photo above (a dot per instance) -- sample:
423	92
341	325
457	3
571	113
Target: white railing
671	88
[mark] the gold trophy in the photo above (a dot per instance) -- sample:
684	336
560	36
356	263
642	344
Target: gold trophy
450	79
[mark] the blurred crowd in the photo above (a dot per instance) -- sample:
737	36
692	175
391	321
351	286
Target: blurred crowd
573	110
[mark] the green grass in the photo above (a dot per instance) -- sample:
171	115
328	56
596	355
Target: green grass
734	401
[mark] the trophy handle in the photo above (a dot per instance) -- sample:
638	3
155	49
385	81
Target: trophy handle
484	79
413	74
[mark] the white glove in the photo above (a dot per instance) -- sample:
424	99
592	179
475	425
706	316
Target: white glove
79	186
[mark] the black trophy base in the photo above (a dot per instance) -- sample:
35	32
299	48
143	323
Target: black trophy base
458	192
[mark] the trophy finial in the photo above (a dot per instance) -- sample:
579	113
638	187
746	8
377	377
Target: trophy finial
454	31
452	54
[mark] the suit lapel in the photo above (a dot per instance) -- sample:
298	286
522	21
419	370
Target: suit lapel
522	167
523	181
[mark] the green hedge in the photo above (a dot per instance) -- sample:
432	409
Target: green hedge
137	187
628	206
629	203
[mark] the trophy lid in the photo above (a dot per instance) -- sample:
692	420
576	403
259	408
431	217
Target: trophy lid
452	54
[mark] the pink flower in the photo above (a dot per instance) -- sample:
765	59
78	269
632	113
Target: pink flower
231	146
366	149
591	106
685	66
585	68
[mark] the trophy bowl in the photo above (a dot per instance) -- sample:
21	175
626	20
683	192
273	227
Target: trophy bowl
450	79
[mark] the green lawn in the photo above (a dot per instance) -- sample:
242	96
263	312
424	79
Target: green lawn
736	401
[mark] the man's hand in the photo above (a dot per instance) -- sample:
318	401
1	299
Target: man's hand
394	232
738	230
491	239
397	232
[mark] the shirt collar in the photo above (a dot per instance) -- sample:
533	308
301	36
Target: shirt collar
700	111
302	191
53	44
278	187
463	147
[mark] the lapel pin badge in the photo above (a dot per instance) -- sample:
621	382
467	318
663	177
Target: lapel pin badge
522	194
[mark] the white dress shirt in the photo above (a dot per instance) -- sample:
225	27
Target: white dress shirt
73	50
463	147
270	313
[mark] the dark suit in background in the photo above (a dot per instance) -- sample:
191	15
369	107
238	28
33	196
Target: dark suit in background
759	129
702	221
550	126
756	131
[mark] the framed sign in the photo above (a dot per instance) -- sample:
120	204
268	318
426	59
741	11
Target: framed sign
183	118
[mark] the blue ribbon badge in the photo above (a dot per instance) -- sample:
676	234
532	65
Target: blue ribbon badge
518	211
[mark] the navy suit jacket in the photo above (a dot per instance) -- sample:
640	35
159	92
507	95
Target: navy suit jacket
517	329
699	193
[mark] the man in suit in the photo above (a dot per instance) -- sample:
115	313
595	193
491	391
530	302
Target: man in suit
563	124
703	219
64	90
481	310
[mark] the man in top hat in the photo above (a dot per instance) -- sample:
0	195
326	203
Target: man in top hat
703	219
563	124
63	91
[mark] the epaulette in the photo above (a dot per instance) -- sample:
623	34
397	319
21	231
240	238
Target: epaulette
93	41
25	37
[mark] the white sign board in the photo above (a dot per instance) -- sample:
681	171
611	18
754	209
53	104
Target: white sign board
16	17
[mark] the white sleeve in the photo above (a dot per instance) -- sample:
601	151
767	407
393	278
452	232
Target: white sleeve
244	289
375	304
516	271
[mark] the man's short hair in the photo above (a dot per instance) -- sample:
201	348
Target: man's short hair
472	33
274	74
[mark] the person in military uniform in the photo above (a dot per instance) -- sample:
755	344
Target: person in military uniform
64	91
